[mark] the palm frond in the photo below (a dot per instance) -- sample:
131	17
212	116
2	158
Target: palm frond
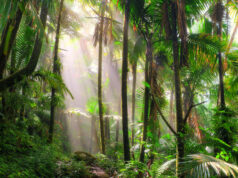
207	166
201	165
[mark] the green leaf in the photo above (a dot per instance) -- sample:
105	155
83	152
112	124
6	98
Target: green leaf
146	84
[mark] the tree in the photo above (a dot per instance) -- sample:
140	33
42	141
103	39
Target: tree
178	99
8	37
217	17
30	67
100	104
55	71
124	84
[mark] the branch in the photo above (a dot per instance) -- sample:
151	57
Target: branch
190	109
163	118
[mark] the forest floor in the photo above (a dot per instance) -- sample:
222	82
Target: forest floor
98	172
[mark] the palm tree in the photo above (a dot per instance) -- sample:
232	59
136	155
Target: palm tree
217	18
100	76
124	84
178	99
134	55
55	71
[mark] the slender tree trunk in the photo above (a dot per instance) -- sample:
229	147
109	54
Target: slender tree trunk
100	80
146	97
134	68
171	108
221	72
107	129
178	98
118	124
55	71
187	98
92	134
182	25
124	85
117	131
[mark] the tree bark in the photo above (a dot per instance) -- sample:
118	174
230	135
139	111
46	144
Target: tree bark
100	79
107	130
55	71
134	68
146	97
182	25
30	67
124	85
221	71
171	112
179	112
118	124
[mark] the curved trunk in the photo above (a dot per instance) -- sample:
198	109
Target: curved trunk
30	67
8	38
55	71
124	85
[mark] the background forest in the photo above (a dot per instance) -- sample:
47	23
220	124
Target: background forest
118	88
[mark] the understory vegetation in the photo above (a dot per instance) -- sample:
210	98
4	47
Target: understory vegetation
118	88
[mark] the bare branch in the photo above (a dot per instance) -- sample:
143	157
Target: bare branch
163	118
190	109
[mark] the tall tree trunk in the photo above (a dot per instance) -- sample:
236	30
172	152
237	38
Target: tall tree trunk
117	131
221	71
55	71
179	112
108	131
100	79
171	106
182	26
146	97
107	127
134	68
118	124
187	98
124	85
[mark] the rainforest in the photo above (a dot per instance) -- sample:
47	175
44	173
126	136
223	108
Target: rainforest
118	88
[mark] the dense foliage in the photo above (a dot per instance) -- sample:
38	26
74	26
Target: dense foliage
153	91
